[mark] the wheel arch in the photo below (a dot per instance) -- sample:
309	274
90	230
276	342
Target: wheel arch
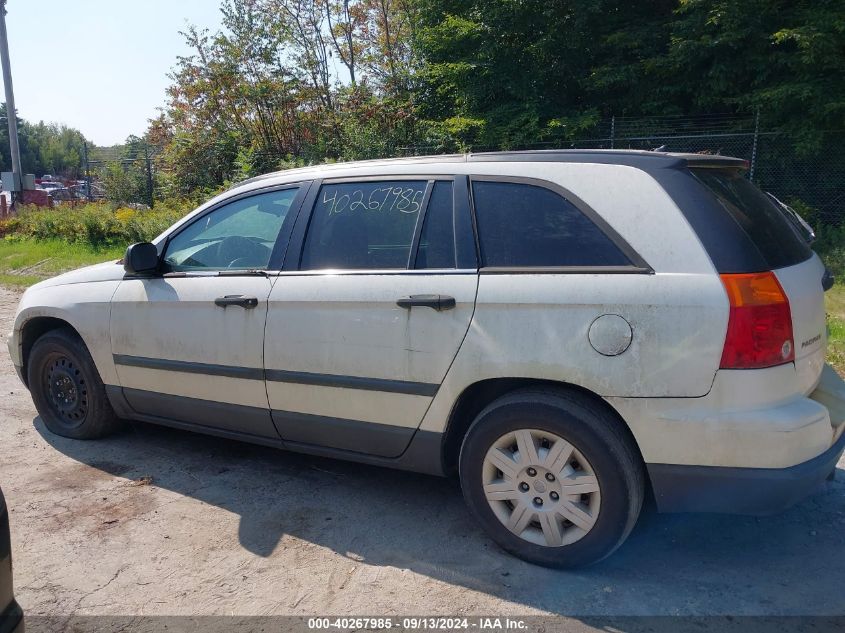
477	396
33	329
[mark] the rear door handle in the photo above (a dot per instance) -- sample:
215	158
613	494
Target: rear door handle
236	300
438	302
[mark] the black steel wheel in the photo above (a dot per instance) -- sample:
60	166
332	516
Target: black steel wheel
67	389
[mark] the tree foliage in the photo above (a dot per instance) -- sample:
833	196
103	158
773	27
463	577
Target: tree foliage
287	81
787	56
292	81
507	73
45	148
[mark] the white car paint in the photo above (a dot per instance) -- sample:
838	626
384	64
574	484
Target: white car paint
84	305
176	319
666	386
808	320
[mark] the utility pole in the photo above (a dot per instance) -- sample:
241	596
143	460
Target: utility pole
150	194
11	111
87	171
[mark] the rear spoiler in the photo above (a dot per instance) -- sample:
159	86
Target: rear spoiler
715	162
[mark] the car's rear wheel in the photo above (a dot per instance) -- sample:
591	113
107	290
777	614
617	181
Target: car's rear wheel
66	388
552	477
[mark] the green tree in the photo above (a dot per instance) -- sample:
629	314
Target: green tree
344	79
511	73
786	56
45	149
506	74
266	88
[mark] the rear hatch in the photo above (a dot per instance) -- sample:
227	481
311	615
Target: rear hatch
770	242
802	285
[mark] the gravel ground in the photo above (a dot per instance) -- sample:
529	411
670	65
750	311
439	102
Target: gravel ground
156	521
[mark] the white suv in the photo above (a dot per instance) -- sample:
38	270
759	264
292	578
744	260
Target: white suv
565	330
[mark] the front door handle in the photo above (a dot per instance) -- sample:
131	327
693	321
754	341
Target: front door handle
236	300
438	302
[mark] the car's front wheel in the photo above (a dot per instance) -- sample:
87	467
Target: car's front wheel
66	388
552	477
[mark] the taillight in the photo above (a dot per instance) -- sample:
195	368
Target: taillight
760	322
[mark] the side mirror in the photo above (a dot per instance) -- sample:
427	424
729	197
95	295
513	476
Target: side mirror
141	259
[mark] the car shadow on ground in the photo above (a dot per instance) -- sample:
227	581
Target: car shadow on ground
671	564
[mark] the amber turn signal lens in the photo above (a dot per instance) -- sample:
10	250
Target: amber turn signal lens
760	322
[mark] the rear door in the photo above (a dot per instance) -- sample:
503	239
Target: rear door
373	305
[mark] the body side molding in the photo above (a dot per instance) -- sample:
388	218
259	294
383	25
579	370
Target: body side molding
189	367
353	382
280	375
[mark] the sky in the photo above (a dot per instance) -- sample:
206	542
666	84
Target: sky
98	65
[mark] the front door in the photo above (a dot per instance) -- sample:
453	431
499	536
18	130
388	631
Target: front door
188	344
361	333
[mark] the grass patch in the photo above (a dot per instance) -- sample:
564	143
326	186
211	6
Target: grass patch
98	225
830	245
835	307
25	262
38	243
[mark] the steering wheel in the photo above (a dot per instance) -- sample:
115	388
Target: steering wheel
240	262
241	251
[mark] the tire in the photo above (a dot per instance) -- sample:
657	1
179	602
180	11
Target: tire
602	462
66	388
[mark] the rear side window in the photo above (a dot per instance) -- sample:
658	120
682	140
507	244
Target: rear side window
523	225
765	225
437	241
363	225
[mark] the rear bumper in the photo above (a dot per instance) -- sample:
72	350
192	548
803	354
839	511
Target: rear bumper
750	419
753	445
755	491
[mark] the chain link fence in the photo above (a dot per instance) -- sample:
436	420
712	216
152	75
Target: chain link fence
814	183
124	175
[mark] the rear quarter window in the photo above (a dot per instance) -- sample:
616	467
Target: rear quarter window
524	225
767	228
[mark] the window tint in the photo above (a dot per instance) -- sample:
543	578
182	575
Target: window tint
798	223
363	225
437	241
527	225
760	218
239	235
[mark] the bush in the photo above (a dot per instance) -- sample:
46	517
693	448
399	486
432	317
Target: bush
830	245
97	224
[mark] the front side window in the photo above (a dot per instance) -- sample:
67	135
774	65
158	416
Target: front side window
523	225
237	236
363	225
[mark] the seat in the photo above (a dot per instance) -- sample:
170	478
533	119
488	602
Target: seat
344	244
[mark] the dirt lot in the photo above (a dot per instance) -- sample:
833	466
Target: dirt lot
228	528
